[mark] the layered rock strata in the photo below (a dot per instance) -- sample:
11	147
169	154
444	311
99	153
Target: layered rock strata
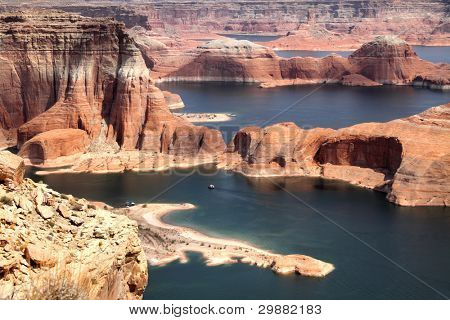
62	71
409	158
55	246
385	60
311	24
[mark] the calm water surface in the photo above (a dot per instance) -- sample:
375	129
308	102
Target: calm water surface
331	106
433	54
416	239
251	37
255	210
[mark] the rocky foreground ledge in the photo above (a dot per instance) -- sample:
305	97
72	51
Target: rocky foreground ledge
55	246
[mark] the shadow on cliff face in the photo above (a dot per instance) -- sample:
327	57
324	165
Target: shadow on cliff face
382	154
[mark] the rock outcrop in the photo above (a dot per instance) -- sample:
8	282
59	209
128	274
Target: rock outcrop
389	60
173	100
54	246
385	60
64	71
409	158
12	168
358	80
221	60
53	144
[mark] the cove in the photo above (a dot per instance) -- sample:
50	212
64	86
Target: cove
391	239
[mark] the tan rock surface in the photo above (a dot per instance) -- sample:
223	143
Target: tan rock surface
173	100
84	253
358	80
12	167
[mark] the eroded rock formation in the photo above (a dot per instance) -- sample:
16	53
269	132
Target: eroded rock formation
55	246
62	71
409	158
385	60
53	144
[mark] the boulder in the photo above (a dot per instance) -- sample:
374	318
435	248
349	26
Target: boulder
12	167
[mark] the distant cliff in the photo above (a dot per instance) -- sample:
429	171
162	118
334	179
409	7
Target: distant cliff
384	60
416	21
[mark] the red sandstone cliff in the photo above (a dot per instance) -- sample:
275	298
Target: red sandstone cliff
384	60
62	71
409	158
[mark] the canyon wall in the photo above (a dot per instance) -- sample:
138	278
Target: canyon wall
409	158
311	24
63	71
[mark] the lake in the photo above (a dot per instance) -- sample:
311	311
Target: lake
433	54
379	250
332	106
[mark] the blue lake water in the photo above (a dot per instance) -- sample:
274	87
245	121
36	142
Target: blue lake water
433	54
331	106
380	250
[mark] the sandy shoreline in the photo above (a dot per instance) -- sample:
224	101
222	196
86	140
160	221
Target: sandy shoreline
164	243
205	117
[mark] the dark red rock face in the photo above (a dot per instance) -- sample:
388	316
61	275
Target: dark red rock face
378	153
